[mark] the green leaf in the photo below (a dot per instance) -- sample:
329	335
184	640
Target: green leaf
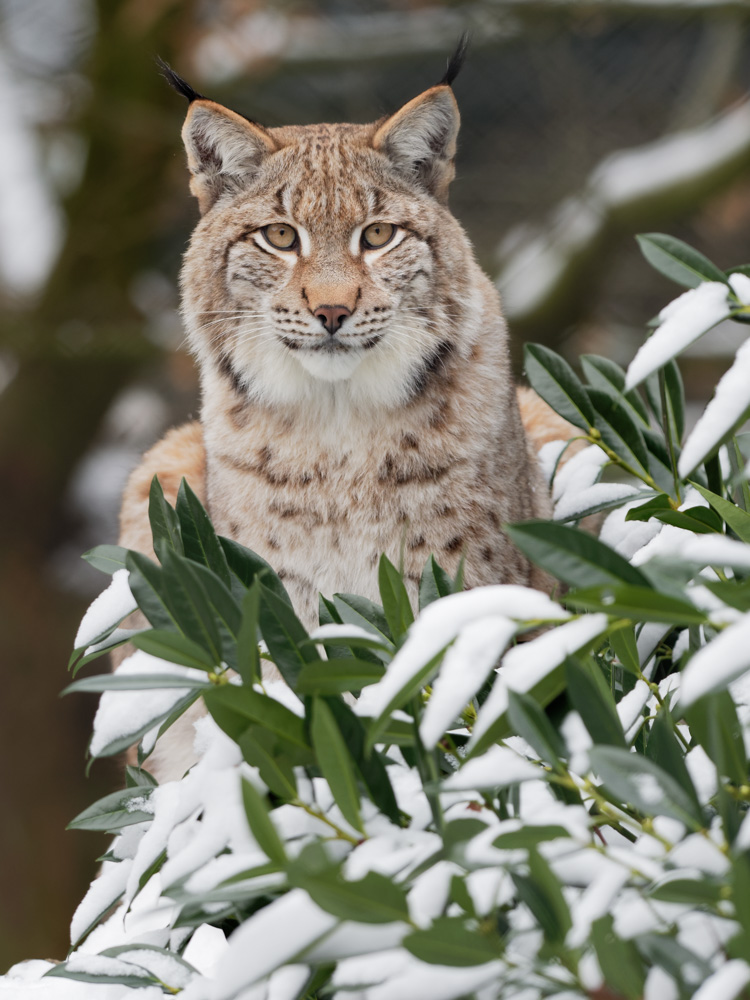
135	981
644	785
541	892
558	385
449	942
619	430
675	396
396	605
409	689
175	648
261	825
645	511
572	555
199	538
146	582
335	763
371	900
132	682
274	766
625	648
336	676
355	610
248	652
735	593
370	766
701	520
529	836
138	777
247	565
641	604
740	883
530	722
190	605
107	558
284	635
607	376
117	637
714	724
434	583
113	812
621	965
737	519
233	707
593	701
678	261
693	892
665	750
165	526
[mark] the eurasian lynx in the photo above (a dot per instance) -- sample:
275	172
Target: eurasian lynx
357	391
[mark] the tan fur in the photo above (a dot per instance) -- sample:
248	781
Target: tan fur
402	432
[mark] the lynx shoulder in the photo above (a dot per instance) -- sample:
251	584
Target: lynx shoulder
357	395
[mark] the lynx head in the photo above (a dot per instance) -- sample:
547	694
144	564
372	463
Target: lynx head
326	262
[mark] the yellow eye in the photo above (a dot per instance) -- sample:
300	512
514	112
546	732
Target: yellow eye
377	235
281	236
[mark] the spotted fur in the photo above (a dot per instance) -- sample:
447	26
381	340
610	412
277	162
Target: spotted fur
400	433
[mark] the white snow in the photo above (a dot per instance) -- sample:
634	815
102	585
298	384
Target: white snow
714	666
464	669
102	893
108	609
725	984
441	622
741	287
578	504
526	664
731	399
681	546
123	713
497	768
582	471
684	320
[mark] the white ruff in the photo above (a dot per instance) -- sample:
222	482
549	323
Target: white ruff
329	367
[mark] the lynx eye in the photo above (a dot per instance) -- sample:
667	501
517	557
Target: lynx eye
280	235
377	235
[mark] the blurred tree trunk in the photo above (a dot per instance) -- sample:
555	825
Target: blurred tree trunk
49	415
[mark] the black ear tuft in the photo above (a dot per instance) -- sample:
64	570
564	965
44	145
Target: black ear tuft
177	83
456	61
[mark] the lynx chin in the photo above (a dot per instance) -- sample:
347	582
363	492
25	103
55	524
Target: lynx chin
357	395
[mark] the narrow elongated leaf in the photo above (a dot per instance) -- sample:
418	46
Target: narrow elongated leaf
356	610
714	724
625	648
677	260
132	682
642	604
189	603
275	768
396	605
449	942
541	892
529	721
644	785
200	541
114	812
371	900
558	385
675	391
248	652
261	824
693	892
175	648
165	526
137	980
107	558
701	520
233	708
572	555
247	565
434	583
336	676
335	762
619	429
737	519
619	960
607	376
529	836
146	582
593	701
645	511
284	635
664	749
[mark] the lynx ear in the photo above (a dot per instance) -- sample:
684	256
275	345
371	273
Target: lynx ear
224	150
420	139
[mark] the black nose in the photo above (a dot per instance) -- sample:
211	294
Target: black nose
332	316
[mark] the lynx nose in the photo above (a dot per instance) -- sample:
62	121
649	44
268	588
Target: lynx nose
332	316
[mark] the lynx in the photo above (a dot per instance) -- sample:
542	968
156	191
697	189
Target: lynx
357	395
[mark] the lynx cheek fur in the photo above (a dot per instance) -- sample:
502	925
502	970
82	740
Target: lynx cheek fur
357	391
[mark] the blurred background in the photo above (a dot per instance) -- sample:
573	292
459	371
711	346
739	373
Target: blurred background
583	123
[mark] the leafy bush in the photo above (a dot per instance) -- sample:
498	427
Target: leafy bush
404	818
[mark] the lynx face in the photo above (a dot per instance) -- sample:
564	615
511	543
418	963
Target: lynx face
326	262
